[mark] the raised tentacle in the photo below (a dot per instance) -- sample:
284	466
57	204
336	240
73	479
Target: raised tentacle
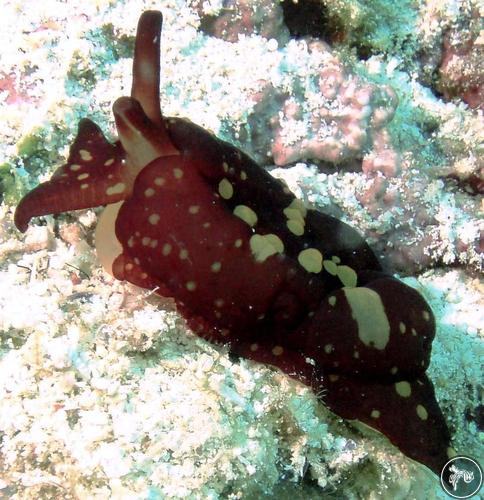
146	72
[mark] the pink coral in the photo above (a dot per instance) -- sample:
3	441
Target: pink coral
244	17
14	88
338	121
462	66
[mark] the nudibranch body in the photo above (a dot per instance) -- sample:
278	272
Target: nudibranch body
248	264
